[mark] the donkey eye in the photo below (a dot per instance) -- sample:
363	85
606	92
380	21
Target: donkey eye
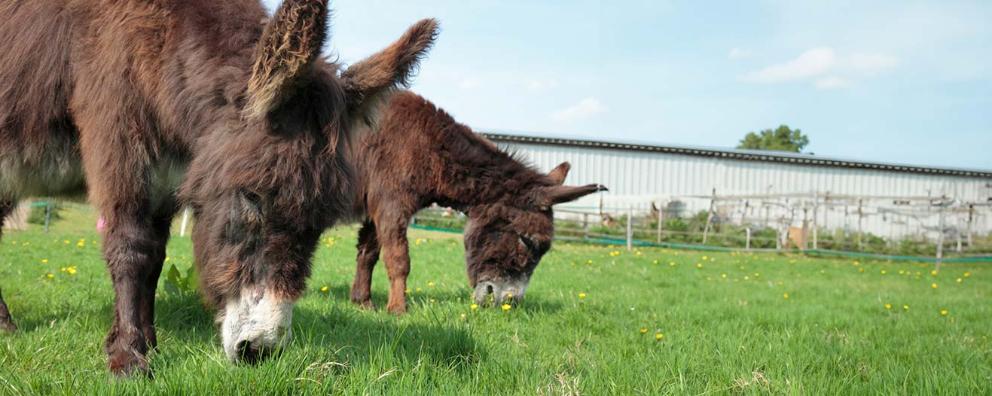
529	243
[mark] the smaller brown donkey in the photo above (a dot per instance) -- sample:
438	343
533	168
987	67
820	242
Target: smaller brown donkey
418	155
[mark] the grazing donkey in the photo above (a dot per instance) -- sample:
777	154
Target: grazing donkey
130	100
417	155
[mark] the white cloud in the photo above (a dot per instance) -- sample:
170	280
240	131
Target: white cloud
586	108
870	63
538	86
468	83
824	67
832	82
811	63
739	53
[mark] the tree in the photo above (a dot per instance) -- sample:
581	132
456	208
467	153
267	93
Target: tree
780	139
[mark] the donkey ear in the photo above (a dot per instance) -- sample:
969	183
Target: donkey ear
289	45
561	194
367	81
559	173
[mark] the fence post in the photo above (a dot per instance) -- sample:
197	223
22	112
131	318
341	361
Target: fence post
861	244
585	226
661	219
940	236
630	228
747	243
709	218
184	222
971	219
48	214
816	225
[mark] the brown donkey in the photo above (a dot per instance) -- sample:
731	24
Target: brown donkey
419	155
128	99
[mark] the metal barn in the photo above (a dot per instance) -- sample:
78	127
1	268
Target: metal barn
745	186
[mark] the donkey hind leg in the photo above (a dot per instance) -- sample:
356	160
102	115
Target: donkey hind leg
368	255
6	322
134	251
397	257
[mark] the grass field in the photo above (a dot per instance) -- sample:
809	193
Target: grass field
597	320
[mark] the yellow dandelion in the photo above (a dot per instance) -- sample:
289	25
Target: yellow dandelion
430	284
71	270
785	296
419	290
905	307
582	296
644	330
463	316
856	263
167	259
933	285
506	307
44	261
861	270
967	274
944	312
960	280
933	273
407	291
50	275
671	263
473	307
747	277
724	276
888	306
883	272
659	336
699	265
66	241
325	289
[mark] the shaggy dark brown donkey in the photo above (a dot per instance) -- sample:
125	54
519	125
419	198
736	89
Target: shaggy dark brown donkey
126	99
418	155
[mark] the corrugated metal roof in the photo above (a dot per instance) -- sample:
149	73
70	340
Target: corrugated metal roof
746	155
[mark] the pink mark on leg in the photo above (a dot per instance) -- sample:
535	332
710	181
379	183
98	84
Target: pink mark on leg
101	224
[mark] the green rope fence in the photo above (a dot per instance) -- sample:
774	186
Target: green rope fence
703	248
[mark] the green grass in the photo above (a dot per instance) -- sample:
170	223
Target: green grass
733	334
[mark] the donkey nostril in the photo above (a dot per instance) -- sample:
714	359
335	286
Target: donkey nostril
489	289
247	352
242	346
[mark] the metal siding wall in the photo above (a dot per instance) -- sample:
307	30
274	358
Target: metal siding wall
638	178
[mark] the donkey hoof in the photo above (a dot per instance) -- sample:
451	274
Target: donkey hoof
397	309
128	365
365	304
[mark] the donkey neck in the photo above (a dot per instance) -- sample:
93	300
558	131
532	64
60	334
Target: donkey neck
485	178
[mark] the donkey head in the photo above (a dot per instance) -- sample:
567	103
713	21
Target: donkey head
504	242
267	183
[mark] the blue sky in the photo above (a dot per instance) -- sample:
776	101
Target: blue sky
896	81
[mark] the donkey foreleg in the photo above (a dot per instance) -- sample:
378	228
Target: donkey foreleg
368	255
6	322
134	248
392	236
